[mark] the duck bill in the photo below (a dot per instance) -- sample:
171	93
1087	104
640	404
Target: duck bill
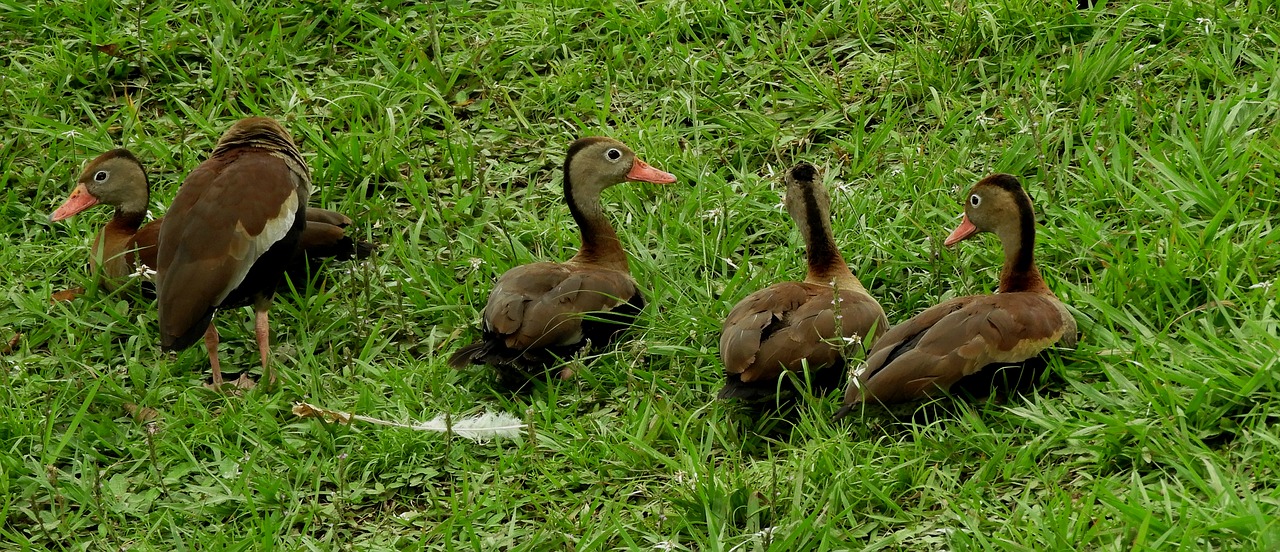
961	232
80	200
643	172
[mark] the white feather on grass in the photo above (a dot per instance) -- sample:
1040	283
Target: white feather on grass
479	428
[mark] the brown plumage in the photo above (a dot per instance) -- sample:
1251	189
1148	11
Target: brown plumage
228	235
927	354
540	312
126	246
780	328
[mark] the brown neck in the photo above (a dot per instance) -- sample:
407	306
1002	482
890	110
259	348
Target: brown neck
128	218
823	257
1020	272
131	211
600	243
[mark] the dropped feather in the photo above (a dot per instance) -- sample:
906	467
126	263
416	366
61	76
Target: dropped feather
479	428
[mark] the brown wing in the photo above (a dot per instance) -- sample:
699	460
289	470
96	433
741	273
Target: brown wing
144	246
755	318
957	338
323	235
228	212
542	304
779	327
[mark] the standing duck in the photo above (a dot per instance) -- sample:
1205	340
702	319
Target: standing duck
125	246
925	355
785	326
540	312
228	236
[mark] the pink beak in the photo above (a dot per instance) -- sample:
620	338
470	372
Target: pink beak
80	200
965	230
642	172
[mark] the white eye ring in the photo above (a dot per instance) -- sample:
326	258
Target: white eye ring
975	200
101	176
613	154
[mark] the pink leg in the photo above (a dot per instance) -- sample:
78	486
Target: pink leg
211	344
264	340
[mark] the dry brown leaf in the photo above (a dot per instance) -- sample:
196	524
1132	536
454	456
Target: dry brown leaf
306	410
141	414
112	50
66	294
11	345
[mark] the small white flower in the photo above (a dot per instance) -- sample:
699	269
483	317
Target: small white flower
145	272
855	378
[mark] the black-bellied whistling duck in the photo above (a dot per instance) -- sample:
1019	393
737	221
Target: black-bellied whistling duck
784	326
929	353
228	236
125	246
543	311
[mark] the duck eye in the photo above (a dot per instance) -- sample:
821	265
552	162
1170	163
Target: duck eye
974	200
100	176
613	154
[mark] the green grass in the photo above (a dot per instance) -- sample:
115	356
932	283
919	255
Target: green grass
1145	132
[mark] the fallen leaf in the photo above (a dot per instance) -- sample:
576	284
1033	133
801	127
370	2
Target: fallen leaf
141	414
11	345
66	294
112	50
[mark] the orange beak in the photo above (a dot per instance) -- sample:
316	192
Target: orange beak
642	172
80	200
965	230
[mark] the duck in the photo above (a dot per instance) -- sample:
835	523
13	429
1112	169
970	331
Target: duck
228	236
542	312
126	247
784	327
924	356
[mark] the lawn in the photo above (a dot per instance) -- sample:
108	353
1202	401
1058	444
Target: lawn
1145	132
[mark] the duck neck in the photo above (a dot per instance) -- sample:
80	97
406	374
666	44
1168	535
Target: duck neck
128	218
600	243
1020	272
826	264
131	212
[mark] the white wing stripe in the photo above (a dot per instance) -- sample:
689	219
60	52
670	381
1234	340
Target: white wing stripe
273	231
